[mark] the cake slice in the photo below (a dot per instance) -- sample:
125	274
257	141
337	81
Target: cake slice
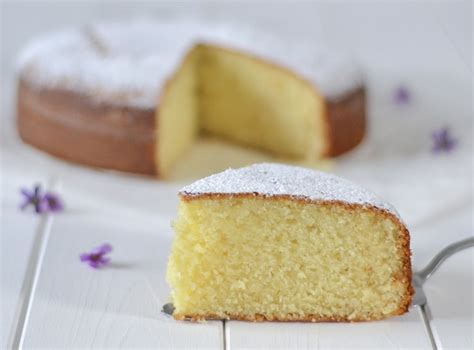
284	243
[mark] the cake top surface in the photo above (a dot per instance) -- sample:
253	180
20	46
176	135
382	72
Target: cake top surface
126	63
270	179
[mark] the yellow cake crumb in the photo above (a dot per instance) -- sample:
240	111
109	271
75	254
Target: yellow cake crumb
258	258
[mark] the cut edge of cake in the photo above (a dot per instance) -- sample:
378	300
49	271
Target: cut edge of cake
320	132
404	246
200	191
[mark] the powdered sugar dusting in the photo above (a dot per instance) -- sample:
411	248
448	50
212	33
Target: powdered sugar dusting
135	58
269	179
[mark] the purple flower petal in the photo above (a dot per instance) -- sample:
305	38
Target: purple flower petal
40	206
96	258
443	141
25	192
94	264
25	204
53	202
84	257
105	248
401	96
28	198
37	190
42	203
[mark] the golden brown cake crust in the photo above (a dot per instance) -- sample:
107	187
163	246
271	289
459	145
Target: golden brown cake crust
71	126
288	318
404	276
346	122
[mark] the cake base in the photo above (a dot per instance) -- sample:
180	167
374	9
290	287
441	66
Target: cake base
288	318
71	126
74	127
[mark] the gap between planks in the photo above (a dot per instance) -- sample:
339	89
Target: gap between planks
32	273
426	316
225	335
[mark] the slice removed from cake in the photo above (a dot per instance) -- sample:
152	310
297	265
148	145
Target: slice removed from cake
276	242
254	102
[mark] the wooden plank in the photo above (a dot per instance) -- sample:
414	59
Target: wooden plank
18	233
119	306
400	332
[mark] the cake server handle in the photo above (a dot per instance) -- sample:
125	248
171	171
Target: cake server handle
438	259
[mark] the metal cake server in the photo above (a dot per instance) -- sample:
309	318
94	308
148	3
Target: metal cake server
419	278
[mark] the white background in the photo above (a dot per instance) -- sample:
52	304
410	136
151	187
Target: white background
425	46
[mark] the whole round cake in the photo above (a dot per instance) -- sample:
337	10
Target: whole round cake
134	96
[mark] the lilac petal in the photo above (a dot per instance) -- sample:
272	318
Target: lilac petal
25	203
26	193
41	206
55	209
57	206
53	202
84	257
96	258
42	203
38	208
28	198
443	141
94	264
37	191
104	248
401	95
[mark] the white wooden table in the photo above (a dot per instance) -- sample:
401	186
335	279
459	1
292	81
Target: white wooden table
60	302
50	299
